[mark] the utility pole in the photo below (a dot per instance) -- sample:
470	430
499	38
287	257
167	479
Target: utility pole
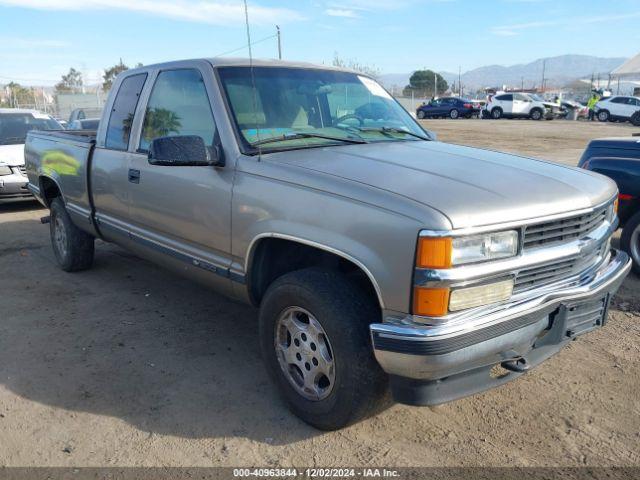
279	43
544	64
435	84
459	81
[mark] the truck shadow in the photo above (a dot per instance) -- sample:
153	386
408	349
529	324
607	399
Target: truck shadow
20	205
130	340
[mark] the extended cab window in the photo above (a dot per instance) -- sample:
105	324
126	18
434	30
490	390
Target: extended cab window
178	105
124	108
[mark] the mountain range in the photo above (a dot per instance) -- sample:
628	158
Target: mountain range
558	71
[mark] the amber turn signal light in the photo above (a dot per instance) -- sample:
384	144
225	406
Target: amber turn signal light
434	252
430	302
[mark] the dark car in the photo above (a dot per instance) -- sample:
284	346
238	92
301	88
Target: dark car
619	159
451	107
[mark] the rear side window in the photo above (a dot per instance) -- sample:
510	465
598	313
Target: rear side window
505	98
619	100
178	105
124	108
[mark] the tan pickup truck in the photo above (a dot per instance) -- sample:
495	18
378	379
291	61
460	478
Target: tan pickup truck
379	257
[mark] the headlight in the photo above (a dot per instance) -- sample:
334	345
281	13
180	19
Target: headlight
437	302
435	252
469	297
5	170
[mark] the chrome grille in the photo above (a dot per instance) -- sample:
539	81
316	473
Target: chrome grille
541	275
562	230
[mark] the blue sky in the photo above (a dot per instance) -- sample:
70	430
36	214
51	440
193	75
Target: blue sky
41	39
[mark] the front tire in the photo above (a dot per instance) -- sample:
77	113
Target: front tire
454	114
314	336
635	119
421	115
72	247
536	114
630	240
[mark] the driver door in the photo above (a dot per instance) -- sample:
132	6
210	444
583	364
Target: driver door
182	213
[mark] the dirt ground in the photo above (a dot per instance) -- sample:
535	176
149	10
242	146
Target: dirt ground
130	365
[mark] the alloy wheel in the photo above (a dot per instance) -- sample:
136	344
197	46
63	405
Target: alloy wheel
305	354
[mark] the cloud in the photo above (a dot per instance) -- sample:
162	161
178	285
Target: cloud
337	12
517	28
203	11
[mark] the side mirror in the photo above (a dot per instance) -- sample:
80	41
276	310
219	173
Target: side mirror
184	151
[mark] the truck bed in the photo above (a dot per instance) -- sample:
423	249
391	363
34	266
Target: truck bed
61	159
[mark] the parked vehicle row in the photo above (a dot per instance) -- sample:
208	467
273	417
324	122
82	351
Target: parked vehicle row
378	257
616	108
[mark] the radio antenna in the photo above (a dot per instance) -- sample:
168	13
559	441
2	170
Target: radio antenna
253	80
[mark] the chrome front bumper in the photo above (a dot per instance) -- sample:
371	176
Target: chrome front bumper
431	364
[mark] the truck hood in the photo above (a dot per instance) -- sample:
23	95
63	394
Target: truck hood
12	155
470	186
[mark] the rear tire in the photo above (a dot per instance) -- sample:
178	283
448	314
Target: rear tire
603	116
311	301
72	247
496	113
630	240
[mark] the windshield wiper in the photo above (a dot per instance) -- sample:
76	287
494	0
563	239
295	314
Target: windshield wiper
296	136
392	130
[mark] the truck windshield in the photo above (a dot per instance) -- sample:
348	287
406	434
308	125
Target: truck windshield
14	126
301	108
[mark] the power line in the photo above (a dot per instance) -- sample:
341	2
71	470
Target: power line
246	46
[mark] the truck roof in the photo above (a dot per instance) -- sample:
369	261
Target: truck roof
245	62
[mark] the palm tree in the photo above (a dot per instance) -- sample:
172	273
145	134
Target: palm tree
160	122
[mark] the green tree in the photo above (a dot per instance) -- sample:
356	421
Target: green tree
70	82
422	83
17	95
111	73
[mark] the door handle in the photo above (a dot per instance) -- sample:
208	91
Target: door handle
134	175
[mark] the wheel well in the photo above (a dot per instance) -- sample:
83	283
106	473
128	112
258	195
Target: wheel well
274	257
49	190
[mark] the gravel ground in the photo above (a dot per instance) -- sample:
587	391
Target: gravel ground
130	365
